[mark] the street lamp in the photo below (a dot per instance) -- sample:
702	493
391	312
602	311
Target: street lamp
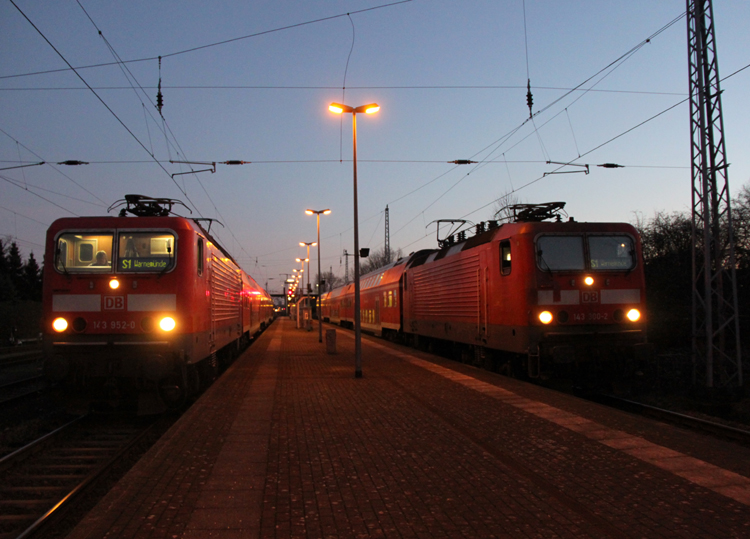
303	260
372	108
319	307
308	244
302	285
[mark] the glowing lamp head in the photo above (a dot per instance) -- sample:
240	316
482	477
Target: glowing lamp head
60	325
545	317
633	315
167	323
114	284
372	109
309	212
336	108
589	281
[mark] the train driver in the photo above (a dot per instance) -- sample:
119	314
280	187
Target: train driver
101	259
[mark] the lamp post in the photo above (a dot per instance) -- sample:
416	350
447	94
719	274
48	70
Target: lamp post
300	282
303	260
308	244
287	281
318	305
372	108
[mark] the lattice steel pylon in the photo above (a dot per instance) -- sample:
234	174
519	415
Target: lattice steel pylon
717	360
387	237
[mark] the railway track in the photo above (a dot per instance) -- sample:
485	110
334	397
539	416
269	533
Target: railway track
23	387
41	481
720	430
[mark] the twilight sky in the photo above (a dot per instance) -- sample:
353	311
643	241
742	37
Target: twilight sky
252	81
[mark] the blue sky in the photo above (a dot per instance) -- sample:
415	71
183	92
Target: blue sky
449	75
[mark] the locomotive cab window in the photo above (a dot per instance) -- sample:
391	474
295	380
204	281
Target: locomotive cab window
84	253
612	253
505	262
560	253
143	252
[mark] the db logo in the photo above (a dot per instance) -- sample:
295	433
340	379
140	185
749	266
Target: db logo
590	297
114	303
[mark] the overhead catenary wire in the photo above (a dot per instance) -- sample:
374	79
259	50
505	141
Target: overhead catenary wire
15	184
112	112
498	143
615	63
210	45
317	88
129	75
210	185
48	163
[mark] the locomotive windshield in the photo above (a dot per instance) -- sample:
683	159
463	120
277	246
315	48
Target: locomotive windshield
597	253
611	252
145	251
84	252
560	253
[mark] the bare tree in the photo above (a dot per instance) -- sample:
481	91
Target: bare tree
331	281
378	259
501	208
741	227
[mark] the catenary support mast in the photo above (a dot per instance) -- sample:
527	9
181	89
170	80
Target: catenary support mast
717	361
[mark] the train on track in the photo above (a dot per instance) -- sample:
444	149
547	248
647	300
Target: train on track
144	307
536	296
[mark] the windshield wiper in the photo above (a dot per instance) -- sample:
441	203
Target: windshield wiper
169	265
57	260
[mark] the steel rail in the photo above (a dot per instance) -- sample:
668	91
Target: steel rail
28	381
717	429
29	449
67	500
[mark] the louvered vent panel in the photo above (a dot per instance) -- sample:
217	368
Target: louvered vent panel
450	288
226	286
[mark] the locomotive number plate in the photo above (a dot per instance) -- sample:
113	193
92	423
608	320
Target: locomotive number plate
591	317
114	324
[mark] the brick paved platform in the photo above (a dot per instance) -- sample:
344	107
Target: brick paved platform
289	444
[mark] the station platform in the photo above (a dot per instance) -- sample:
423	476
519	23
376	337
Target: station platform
288	443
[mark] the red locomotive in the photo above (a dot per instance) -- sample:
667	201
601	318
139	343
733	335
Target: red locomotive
524	296
148	306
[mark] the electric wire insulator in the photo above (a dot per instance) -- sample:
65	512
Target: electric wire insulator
529	97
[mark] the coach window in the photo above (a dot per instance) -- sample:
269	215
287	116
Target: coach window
200	257
505	257
84	253
146	252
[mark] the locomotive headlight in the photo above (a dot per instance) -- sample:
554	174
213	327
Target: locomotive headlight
545	317
60	325
633	315
589	281
167	323
114	284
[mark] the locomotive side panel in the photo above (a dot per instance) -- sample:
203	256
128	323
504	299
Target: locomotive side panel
511	280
